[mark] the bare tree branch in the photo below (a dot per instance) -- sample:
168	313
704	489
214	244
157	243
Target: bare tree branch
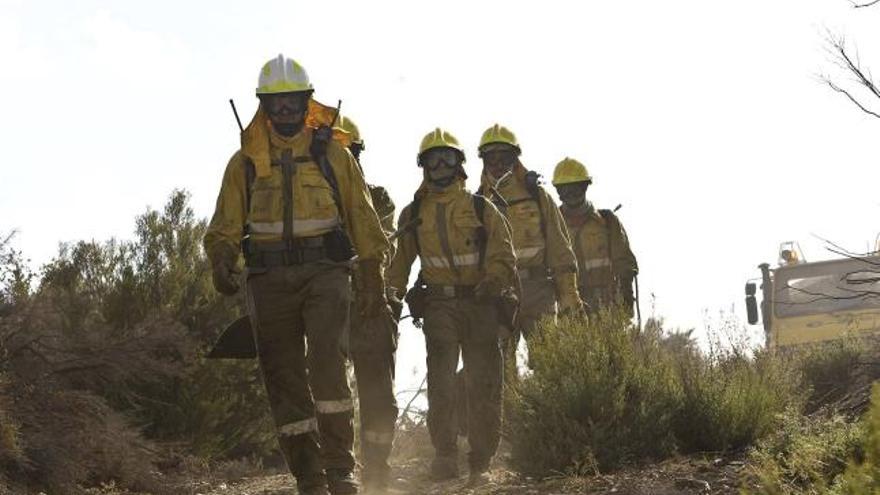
857	5
842	58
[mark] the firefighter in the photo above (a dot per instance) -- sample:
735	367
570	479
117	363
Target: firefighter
294	203
464	290
372	344
606	264
544	258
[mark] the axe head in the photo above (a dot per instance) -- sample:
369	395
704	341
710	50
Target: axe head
236	341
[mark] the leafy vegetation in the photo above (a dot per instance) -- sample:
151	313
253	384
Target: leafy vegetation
101	357
604	393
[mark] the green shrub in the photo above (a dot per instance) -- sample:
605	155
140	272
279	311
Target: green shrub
862	476
830	370
805	455
731	399
601	394
111	335
604	393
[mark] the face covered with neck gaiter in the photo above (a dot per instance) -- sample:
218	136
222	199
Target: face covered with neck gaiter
442	166
286	111
573	195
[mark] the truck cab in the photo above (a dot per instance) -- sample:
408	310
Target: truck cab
814	302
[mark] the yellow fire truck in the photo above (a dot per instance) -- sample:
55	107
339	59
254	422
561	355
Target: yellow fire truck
812	302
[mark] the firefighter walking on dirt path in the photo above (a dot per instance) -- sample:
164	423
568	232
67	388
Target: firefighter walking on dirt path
372	344
545	261
465	289
294	203
606	264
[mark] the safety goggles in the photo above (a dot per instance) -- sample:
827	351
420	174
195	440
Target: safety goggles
506	158
285	103
436	157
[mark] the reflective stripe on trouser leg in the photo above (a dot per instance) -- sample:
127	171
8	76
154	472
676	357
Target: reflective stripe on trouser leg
325	315
379	437
374	372
299	427
334	406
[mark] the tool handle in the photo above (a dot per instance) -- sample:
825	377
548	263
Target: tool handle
235	112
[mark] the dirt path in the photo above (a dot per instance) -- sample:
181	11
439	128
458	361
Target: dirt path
686	476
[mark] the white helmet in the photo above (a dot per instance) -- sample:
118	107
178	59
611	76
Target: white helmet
283	75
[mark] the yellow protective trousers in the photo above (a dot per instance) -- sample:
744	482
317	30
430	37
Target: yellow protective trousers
299	314
373	343
538	300
467	326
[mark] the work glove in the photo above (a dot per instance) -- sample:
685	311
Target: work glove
570	303
488	288
225	272
371	298
395	303
626	287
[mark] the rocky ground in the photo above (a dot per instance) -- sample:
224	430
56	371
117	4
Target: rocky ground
683	476
691	475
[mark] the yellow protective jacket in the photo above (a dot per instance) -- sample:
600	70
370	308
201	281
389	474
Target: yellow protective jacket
385	210
604	257
540	236
447	242
315	211
384	207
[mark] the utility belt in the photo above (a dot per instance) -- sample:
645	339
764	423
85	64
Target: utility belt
332	246
533	273
457	291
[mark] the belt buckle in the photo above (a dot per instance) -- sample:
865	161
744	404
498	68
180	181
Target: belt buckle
449	290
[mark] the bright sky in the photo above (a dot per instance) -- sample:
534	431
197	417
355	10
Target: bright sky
704	119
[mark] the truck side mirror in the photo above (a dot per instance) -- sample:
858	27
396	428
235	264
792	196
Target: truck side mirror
751	303
752	309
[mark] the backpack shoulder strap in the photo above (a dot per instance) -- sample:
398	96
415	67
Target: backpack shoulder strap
318	151
250	174
414	208
534	189
610	220
482	233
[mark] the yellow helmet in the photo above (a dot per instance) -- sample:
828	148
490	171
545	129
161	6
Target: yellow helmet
438	138
348	125
283	75
569	171
499	134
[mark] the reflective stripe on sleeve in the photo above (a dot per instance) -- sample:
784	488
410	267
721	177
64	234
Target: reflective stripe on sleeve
378	437
299	427
334	406
596	263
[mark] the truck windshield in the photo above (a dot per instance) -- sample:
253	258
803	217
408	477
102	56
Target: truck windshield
827	287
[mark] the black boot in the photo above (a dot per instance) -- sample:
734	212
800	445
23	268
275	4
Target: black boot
444	468
375	480
313	484
341	482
